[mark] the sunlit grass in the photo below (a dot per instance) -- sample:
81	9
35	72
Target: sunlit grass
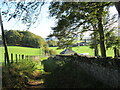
58	51
38	51
21	51
85	49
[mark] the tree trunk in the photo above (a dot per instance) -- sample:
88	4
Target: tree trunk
101	32
95	41
4	41
96	45
116	52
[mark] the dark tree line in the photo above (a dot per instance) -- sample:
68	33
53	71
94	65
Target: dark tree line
52	43
24	38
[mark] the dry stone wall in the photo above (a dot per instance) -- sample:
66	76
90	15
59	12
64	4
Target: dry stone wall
106	75
106	70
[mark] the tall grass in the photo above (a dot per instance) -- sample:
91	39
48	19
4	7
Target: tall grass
17	74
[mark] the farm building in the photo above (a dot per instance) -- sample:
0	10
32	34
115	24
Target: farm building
68	51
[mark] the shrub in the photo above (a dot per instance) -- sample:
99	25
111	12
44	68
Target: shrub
17	74
50	65
52	52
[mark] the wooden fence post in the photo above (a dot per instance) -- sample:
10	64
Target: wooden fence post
19	57
22	56
115	52
16	58
11	58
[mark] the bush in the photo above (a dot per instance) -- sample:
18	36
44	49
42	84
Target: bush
50	65
17	74
24	38
52	52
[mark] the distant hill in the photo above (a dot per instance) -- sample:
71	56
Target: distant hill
24	38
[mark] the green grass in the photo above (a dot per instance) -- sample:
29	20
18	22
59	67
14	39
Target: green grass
58	51
37	51
20	50
85	49
15	74
78	41
110	52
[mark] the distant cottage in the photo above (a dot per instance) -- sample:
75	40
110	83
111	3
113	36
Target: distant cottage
68	51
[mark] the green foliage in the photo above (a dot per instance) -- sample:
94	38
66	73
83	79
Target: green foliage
13	37
79	17
16	75
94	40
52	43
49	51
52	52
49	65
32	40
24	38
112	40
46	50
26	12
74	15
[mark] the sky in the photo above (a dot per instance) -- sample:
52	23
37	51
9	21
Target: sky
44	24
41	28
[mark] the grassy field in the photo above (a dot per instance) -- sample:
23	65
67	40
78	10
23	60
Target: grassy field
38	51
20	50
84	49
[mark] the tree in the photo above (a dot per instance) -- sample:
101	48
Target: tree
26	10
4	41
52	43
94	43
13	37
71	16
100	30
52	52
31	40
24	38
